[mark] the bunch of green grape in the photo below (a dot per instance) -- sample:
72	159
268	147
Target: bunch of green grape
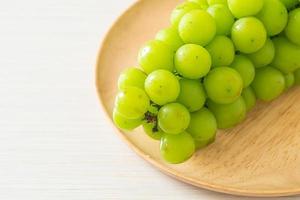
207	70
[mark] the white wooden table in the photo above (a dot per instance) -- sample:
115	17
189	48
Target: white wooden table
54	141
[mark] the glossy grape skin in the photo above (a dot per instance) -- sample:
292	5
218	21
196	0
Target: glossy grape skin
192	94
245	68
289	80
223	18
213	2
249	97
192	61
181	10
132	103
244	8
268	84
197	27
228	115
170	37
173	118
149	130
132	77
292	31
162	87
286	55
156	55
297	77
289	3
125	124
264	56
223	85
177	149
202	3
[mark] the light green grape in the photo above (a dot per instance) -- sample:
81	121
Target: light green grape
292	31
124	123
248	34
202	3
264	56
289	80
177	149
228	115
153	131
171	37
289	3
162	87
223	85
244	8
181	10
297	77
287	55
192	94
249	98
192	61
245	68
203	127
132	77
268	84
221	50
156	55
274	16
132	103
223	18
173	118
213	2
197	27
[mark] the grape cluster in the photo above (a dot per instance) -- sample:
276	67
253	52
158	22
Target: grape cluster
206	71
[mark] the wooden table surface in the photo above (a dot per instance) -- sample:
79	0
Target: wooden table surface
54	140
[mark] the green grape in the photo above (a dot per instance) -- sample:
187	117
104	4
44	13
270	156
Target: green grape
297	77
192	94
156	55
221	56
192	61
171	37
197	27
213	2
268	84
228	115
181	10
289	3
132	103
286	55
248	34
200	144
244	8
124	123
153	131
292	31
202	3
203	127
177	149
289	80
173	118
162	87
274	16
245	68
223	85
264	56
132	77
223	17
249	98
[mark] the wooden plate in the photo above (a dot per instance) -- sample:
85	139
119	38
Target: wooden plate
260	157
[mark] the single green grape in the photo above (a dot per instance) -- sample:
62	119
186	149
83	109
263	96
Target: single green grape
126	124
181	10
153	131
203	3
213	2
192	94
223	85
244	8
132	77
228	115
221	56
297	76
245	68
289	3
156	55
171	37
248	34
132	103
249	98
177	149
223	18
289	80
269	83
192	61
197	27
286	55
162	87
173	118
292	30
264	56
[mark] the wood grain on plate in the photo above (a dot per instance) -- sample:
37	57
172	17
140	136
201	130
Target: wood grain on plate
260	157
